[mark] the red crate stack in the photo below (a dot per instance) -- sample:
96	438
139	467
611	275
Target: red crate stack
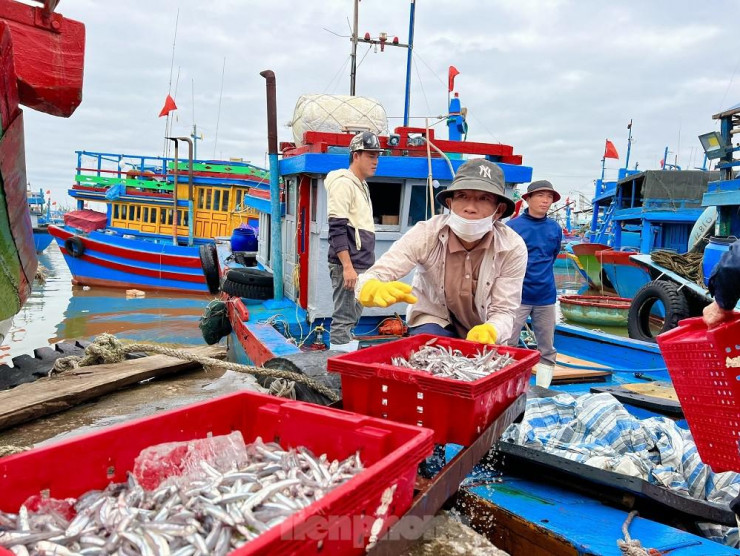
708	389
457	411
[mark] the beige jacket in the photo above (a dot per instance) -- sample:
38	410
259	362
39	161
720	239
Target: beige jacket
424	247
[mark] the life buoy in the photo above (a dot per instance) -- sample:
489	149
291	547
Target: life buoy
74	246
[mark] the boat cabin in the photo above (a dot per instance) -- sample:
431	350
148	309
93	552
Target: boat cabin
408	176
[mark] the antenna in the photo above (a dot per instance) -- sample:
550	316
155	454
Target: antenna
166	146
218	117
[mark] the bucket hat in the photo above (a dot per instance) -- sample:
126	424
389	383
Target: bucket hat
541	185
365	141
481	175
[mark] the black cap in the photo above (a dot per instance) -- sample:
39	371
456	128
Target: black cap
541	185
365	141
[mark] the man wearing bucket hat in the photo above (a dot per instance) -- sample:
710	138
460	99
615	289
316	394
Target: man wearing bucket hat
724	285
469	266
351	234
542	236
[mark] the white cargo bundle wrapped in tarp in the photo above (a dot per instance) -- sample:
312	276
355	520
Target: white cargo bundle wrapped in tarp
337	114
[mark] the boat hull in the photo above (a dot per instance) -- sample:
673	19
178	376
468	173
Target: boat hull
586	253
110	260
626	276
41	239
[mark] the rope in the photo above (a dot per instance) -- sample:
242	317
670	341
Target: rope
629	546
688	265
108	349
9	450
611	369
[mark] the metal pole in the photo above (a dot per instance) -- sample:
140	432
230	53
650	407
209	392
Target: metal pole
276	247
407	98
191	153
174	197
629	146
353	56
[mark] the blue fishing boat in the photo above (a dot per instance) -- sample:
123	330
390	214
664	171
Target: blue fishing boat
41	66
42	215
162	215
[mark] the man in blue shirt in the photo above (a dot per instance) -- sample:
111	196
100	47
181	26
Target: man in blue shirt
542	236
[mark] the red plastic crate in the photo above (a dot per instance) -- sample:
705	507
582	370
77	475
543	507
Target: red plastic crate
709	391
458	411
339	523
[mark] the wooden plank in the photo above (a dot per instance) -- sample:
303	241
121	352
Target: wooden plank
61	392
563	374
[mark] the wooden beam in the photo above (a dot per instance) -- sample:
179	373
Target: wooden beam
64	391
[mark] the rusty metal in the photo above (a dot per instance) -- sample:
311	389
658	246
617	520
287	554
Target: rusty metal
433	494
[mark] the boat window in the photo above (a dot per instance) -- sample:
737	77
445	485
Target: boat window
201	194
290	188
386	200
115	210
146	214
314	198
419	205
153	216
216	199
169	217
225	201
131	209
238	199
138	213
209	193
163	216
183	218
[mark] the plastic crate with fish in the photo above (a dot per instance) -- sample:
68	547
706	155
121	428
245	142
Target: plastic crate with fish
704	366
341	520
458	411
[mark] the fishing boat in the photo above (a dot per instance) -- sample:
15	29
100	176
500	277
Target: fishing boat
595	310
42	215
591	265
42	57
161	214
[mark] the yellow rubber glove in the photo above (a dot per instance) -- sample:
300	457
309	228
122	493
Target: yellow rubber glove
484	333
381	294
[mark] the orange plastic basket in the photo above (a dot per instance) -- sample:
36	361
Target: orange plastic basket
708	389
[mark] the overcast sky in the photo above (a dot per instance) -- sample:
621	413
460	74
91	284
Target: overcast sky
552	78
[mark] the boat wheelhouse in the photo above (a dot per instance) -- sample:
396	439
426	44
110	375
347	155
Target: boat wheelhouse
159	211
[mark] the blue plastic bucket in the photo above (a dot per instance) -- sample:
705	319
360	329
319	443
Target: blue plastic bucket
712	253
244	239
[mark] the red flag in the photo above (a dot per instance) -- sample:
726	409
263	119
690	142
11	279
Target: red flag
610	151
48	191
451	78
169	106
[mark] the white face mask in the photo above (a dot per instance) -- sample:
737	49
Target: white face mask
470	230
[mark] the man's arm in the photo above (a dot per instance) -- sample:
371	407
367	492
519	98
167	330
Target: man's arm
724	285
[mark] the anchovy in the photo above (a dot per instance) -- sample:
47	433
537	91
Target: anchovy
452	363
211	511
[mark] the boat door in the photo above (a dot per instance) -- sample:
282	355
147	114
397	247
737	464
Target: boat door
289	233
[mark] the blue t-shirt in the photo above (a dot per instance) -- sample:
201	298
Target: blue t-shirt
543	237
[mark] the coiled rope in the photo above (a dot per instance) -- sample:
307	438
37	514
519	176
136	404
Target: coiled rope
630	546
108	349
688	265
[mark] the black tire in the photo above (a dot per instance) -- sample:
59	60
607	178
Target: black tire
209	264
250	276
250	291
674	301
74	246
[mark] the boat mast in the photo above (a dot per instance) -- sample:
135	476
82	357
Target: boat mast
353	70
629	145
382	40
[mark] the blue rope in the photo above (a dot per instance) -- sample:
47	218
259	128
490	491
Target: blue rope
610	370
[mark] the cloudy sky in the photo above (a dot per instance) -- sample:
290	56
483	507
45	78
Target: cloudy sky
553	78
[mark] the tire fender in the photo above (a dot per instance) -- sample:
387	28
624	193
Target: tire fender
674	301
74	246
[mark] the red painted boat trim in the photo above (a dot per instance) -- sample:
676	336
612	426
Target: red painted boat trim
99	282
198	279
131	254
604	301
589	248
257	352
610	256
